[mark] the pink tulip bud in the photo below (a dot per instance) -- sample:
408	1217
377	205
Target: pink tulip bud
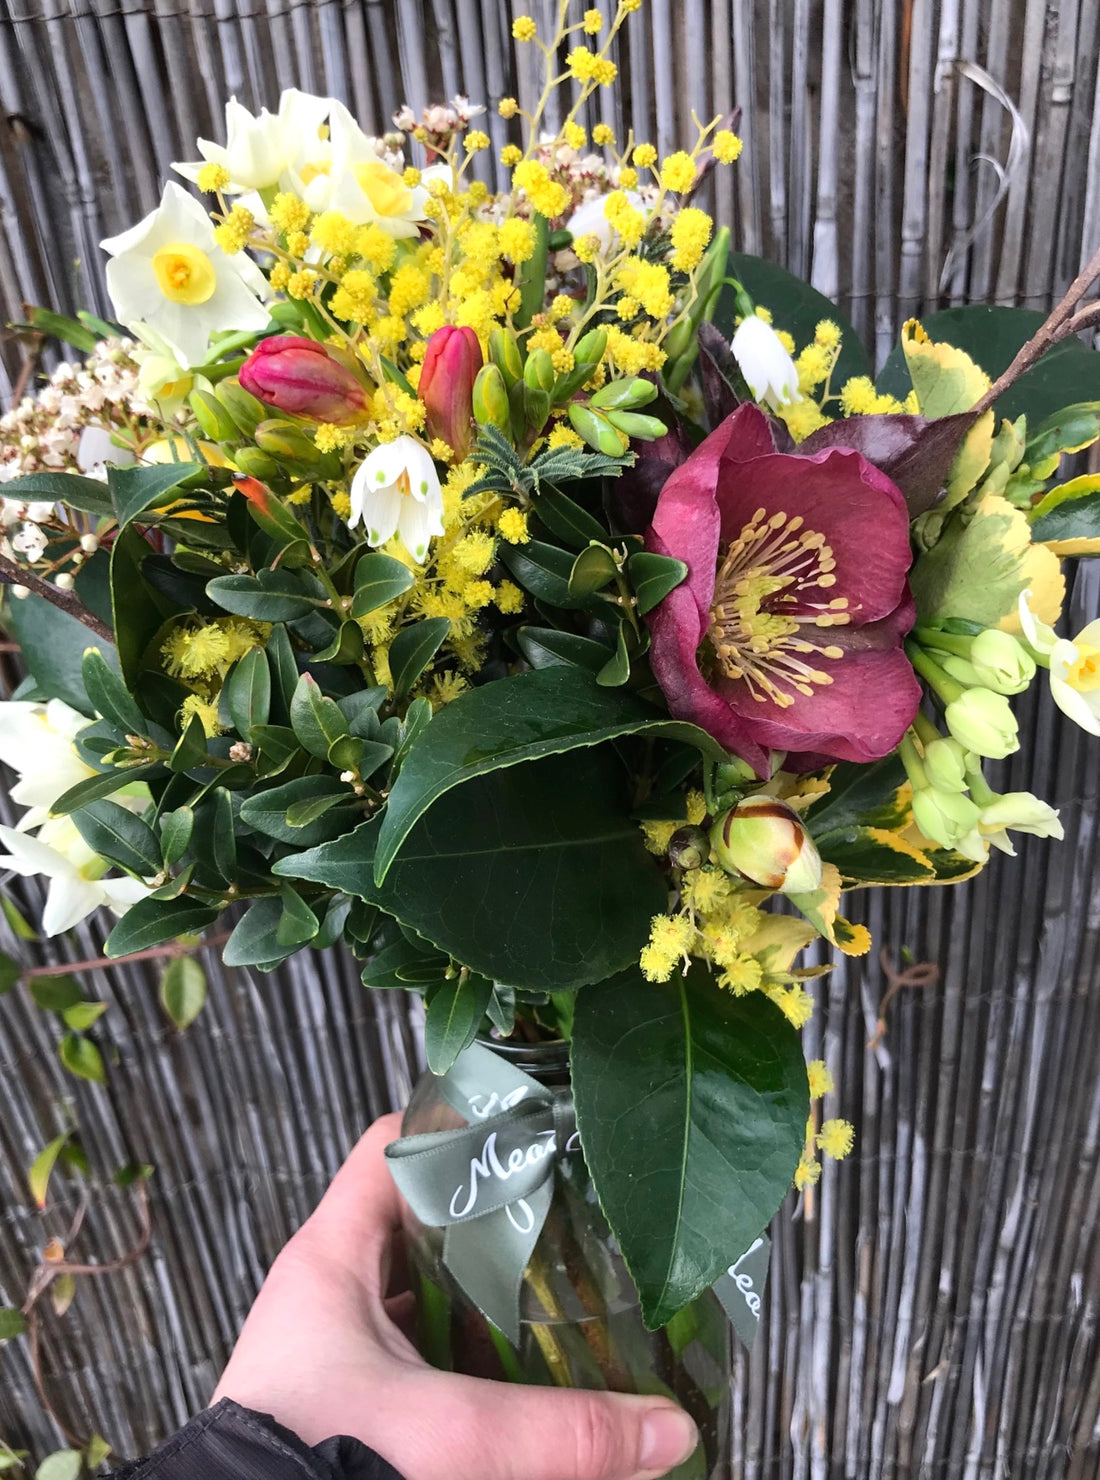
300	376
451	363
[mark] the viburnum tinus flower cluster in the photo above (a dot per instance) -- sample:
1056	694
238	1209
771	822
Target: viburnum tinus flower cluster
497	589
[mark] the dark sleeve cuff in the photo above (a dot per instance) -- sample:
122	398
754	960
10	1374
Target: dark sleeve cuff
229	1442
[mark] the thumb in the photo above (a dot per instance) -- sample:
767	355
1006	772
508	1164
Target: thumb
470	1429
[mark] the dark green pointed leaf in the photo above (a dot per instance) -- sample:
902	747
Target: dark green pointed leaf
543	570
109	694
546	647
284	670
417	718
119	835
278	597
379	579
55	993
247	692
137	613
413	649
653	577
151	922
175	834
135	490
565	518
216	823
345	647
190	749
298	923
454	1015
277	744
94	787
616	670
51	643
345	754
81	1057
512	720
548	847
88	495
1069	512
593	569
317	720
692	1107
304	811
390	966
268	811
255	941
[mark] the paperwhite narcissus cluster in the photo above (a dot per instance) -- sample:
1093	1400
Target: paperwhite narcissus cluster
169	272
37	741
396	490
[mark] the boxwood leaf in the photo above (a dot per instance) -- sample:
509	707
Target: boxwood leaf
692	1105
247	692
120	836
94	787
268	811
453	1017
653	577
379	579
136	489
150	922
109	695
413	649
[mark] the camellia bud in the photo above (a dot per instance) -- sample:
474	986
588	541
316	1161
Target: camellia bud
452	361
983	722
300	377
765	841
689	847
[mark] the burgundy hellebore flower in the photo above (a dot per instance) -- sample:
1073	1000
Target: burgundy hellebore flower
787	633
300	376
452	359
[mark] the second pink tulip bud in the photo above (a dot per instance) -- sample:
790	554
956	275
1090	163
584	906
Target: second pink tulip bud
451	364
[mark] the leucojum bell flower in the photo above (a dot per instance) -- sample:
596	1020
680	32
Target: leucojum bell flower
396	490
767	367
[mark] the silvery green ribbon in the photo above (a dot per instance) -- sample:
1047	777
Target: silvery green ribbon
489	1186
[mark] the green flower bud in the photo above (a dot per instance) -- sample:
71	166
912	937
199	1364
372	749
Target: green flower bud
631	424
214	420
689	847
945	764
244	408
256	464
505	354
536	407
591	346
1001	663
983	722
539	373
490	400
947	817
679	339
763	840
625	395
961	669
284	440
600	435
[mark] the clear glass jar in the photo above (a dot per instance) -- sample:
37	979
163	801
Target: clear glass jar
580	1320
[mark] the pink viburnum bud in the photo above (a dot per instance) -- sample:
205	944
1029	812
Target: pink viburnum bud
300	376
451	364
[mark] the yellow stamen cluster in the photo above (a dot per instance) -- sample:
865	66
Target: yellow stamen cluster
213	177
691	233
524	28
726	146
232	235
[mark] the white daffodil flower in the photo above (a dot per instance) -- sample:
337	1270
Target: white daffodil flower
77	886
37	741
396	490
1022	812
765	364
1074	666
367	190
169	272
254	153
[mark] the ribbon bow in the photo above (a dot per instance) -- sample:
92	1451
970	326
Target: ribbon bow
489	1186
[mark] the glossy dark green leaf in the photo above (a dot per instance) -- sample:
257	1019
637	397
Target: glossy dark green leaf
109	694
391	966
81	1057
267	811
316	719
692	1107
417	718
138	489
277	744
534	875
379	579
332	925
591	571
454	1015
413	649
297	923
137	613
616	670
279	601
254	941
215	824
544	571
565	518
190	749
247	692
510	721
175	833
306	810
1066	514
346	646
94	787
284	670
150	922
88	495
119	835
546	647
653	577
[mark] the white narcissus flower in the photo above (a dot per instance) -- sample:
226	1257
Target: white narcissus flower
169	272
254	153
37	740
1022	812
765	364
367	190
397	490
589	218
1074	666
77	886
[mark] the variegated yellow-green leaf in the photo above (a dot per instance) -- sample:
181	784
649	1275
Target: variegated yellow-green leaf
947	381
878	855
1067	519
820	908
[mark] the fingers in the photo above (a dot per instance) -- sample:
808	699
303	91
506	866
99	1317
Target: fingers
443	1427
355	1221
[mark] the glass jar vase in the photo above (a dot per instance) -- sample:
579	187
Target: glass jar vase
580	1318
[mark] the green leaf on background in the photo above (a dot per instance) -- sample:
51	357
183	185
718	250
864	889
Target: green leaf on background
18	924
88	495
82	1015
992	335
525	718
183	991
190	749
92	788
653	577
42	1168
795	306
58	326
268	811
137	615
297	924
565	518
535	874
593	569
151	922
379	579
692	1106
12	1323
119	835
63	1464
10	972
81	1057
413	649
255	939
52	643
874	855
135	490
55	993
317	720
270	596
616	670
175	834
544	571
109	695
454	1014
95	1452
860	796
978	567
247	692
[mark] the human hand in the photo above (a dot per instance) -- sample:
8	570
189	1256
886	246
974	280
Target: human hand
321	1353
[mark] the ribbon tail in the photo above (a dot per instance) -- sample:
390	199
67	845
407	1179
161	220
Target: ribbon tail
741	1288
488	1256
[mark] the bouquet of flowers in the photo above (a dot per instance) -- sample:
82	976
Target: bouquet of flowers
503	586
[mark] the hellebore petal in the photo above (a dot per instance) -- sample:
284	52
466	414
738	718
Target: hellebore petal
787	632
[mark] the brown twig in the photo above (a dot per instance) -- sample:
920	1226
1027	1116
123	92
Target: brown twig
1061	323
920	974
14	575
102	963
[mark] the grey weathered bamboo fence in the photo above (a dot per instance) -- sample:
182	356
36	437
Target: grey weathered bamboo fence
933	1309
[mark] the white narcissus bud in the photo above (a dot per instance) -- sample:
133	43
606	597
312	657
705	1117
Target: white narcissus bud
945	764
766	842
1001	663
983	722
947	817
